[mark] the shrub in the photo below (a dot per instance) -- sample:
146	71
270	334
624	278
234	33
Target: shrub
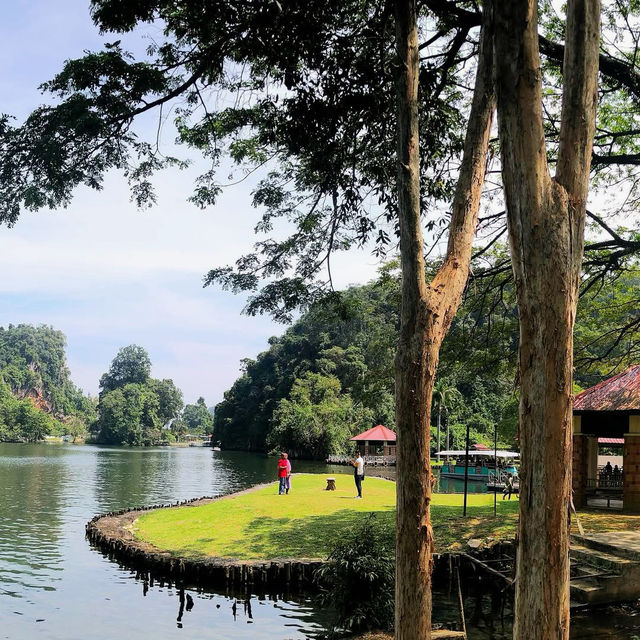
358	579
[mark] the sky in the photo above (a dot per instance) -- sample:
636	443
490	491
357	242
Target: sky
109	275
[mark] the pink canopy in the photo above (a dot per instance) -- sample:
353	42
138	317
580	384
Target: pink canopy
379	433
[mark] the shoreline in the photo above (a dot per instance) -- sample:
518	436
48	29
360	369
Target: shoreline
111	533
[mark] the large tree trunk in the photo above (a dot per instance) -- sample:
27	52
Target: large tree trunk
546	229
426	315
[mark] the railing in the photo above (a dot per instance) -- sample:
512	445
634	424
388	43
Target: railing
605	481
500	477
373	461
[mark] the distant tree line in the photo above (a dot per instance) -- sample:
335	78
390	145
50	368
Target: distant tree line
38	399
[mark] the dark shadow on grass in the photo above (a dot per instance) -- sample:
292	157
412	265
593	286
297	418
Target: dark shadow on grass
308	537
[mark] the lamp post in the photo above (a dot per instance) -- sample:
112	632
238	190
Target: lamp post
495	450
466	471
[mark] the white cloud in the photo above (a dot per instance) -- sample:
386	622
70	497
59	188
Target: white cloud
109	275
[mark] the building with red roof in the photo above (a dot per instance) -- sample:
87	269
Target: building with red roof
608	414
377	441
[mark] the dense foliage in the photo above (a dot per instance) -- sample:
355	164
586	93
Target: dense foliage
350	339
316	420
37	396
359	577
33	364
131	365
197	418
134	408
337	361
21	420
303	91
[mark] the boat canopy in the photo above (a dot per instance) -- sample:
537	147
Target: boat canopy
484	454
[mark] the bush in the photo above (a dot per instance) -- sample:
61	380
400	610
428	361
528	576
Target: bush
358	579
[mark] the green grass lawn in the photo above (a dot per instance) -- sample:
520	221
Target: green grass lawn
263	525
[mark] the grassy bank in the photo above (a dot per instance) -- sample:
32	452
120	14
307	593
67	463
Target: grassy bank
260	524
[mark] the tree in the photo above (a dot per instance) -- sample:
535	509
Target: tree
546	232
169	399
427	311
75	427
316	420
179	429
443	394
34	424
198	418
133	408
131	365
119	416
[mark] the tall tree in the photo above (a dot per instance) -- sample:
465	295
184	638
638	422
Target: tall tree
198	418
443	393
546	218
427	310
131	365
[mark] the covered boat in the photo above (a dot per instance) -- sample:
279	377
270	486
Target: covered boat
482	463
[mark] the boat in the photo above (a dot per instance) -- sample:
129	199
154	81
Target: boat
482	464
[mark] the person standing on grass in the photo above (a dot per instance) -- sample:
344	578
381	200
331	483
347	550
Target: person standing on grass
358	473
288	481
508	487
283	463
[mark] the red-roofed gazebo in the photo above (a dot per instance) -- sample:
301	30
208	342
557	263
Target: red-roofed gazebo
608	414
378	441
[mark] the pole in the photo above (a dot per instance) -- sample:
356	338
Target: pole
466	471
495	449
439	420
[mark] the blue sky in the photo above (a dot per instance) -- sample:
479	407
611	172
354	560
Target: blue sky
108	275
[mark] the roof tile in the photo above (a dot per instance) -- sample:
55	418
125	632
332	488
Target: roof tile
620	393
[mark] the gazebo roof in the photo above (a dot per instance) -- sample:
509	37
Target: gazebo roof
620	393
379	433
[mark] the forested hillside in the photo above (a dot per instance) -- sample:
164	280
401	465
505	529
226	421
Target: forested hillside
37	396
331	374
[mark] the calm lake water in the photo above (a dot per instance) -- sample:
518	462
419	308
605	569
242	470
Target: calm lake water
54	585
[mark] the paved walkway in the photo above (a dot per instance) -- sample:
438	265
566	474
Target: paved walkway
624	541
603	503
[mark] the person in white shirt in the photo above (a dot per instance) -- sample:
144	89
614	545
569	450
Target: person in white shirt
358	473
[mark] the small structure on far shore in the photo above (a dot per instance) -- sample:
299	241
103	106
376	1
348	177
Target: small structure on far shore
378	441
377	446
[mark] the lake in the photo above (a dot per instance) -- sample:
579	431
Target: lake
55	586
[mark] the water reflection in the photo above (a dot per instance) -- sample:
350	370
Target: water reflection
56	586
31	504
53	585
230	612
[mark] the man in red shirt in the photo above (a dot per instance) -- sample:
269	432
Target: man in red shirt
283	469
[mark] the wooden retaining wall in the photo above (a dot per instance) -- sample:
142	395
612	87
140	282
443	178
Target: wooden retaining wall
111	533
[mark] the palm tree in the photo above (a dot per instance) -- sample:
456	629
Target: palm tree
443	395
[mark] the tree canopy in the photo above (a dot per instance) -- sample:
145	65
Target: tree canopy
197	418
134	408
131	365
291	93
